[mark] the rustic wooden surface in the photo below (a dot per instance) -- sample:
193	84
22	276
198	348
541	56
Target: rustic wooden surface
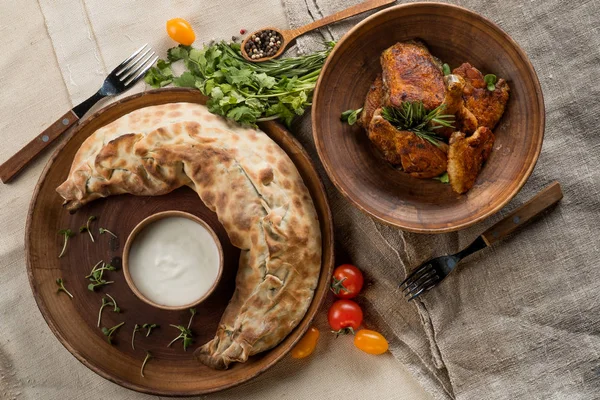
519	217
291	34
455	35
172	371
11	167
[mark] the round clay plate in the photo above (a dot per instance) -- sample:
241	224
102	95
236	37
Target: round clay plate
455	35
171	371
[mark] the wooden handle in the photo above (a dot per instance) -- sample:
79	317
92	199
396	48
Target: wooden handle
24	156
347	13
544	199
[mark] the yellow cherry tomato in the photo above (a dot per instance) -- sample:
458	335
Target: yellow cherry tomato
307	344
370	342
181	31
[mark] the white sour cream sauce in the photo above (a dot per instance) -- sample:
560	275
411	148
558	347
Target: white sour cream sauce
174	261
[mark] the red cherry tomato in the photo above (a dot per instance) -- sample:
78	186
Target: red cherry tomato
181	31
347	281
370	342
345	316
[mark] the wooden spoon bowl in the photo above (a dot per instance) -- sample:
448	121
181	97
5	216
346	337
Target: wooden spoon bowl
291	34
455	35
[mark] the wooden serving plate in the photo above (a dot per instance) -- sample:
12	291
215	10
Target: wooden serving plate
455	35
171	372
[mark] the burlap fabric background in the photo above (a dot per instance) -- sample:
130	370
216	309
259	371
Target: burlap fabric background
520	320
516	321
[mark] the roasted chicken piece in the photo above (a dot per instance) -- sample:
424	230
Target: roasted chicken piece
487	106
454	104
373	101
417	156
466	155
411	73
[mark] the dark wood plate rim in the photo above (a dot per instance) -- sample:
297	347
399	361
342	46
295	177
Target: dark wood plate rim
326	267
444	229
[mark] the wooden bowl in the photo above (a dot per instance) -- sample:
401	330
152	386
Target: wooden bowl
139	228
455	35
172	371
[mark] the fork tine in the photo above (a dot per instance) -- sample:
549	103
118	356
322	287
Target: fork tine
418	280
131	57
135	65
412	274
142	72
431	279
422	290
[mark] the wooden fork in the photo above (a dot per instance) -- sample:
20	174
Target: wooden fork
432	272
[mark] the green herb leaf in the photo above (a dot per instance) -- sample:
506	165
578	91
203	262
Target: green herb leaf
490	80
241	90
187	79
443	178
446	69
350	116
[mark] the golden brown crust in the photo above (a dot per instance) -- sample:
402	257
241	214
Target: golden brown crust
411	73
417	156
487	106
466	157
265	208
454	104
373	101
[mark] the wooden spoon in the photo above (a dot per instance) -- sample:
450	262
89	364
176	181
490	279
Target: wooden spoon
291	34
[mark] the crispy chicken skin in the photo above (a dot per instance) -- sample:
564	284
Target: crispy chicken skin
373	101
411	73
466	156
417	156
487	106
465	121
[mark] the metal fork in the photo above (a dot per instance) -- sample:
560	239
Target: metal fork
432	272
122	78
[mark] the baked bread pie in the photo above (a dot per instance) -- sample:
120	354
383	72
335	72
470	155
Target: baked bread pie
252	186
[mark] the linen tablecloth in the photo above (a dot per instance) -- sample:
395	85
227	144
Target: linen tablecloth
55	54
519	320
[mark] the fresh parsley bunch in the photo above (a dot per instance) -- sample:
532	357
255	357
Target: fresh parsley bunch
240	90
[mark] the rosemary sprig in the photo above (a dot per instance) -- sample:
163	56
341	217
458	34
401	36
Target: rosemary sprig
184	333
412	116
67	233
149	328
86	227
103	231
148	357
110	332
107	303
61	287
136	328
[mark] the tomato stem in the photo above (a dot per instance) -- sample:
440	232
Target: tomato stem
344	331
338	284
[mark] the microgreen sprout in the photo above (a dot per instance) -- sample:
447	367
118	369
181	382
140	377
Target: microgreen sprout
103	231
67	233
108	303
110	332
136	328
86	227
184	333
149	328
61	287
97	273
148	357
490	81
